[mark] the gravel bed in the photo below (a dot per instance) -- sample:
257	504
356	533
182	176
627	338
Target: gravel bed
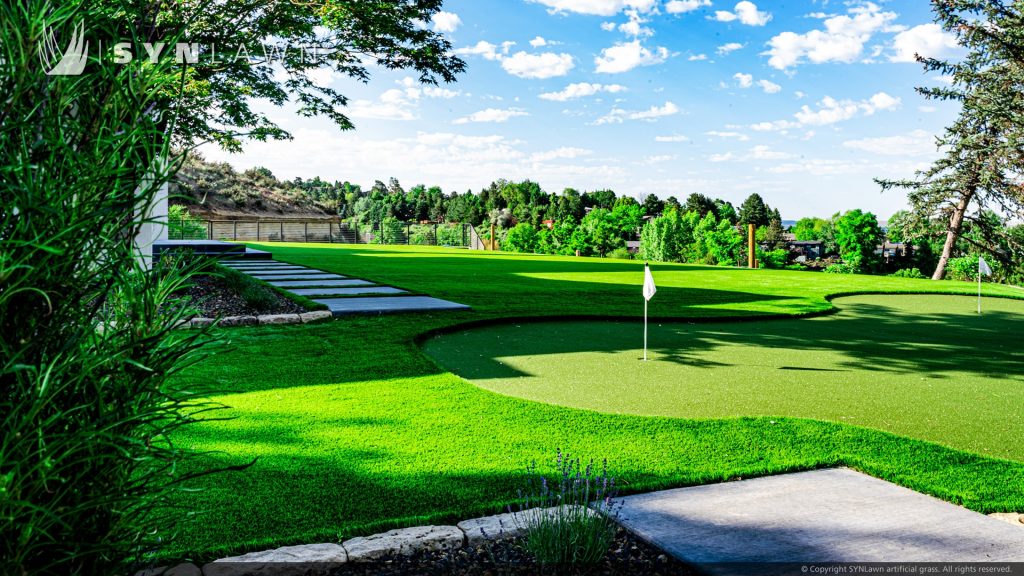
212	297
627	555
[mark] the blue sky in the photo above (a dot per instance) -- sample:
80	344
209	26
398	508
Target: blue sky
802	102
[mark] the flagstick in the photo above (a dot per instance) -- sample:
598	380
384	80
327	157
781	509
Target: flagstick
645	329
979	288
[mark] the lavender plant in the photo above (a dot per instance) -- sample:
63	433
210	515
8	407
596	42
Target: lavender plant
570	518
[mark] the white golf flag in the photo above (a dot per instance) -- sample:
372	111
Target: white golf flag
649	287
983	267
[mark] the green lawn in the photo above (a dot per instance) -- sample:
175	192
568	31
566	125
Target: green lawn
927	367
356	430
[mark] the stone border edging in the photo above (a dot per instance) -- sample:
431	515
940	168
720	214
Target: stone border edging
400	541
264	320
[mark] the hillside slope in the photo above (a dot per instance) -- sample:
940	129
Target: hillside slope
214	190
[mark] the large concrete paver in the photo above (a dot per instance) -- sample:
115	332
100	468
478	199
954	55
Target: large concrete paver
283	271
299	276
314	283
365	290
834	515
387	304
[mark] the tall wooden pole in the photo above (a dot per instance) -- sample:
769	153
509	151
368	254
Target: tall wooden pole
492	237
751	254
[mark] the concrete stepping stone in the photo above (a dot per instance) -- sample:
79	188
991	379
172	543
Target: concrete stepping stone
324	292
244	263
283	271
299	276
314	283
834	515
387	304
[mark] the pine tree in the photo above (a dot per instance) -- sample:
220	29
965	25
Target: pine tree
983	150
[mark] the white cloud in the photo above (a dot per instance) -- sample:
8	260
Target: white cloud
737	135
747	81
762	152
776	126
672	138
618	115
624	56
398	103
635	26
608	26
697	57
581	90
446	22
842	40
684	6
563	153
729	48
652	160
538	41
746	12
544	65
598	7
915	144
928	40
830	110
481	48
769	87
496	115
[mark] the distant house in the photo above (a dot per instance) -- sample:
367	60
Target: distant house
549	224
803	250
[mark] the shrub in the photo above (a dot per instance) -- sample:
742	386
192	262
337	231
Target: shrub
86	341
965	268
451	235
840	268
183	226
569	519
907	273
521	238
255	294
776	259
621	253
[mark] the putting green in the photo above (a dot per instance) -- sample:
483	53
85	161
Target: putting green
927	367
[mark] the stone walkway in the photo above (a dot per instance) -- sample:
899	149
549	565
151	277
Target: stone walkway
341	295
834	515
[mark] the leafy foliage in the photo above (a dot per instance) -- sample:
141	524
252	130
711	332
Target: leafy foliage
86	412
983	150
857	235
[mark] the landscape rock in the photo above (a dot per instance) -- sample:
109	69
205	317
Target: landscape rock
280	319
316	315
498	527
200	322
404	541
503	526
239	321
1010	517
306	559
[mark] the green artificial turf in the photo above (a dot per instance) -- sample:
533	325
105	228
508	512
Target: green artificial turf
355	430
927	367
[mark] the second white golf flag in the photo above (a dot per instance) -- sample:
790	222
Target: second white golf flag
649	287
649	290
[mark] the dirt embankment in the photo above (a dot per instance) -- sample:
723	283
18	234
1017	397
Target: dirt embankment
215	191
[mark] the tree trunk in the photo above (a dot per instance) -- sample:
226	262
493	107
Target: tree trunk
956	222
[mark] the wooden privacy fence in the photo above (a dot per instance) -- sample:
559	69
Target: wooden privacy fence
333	231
